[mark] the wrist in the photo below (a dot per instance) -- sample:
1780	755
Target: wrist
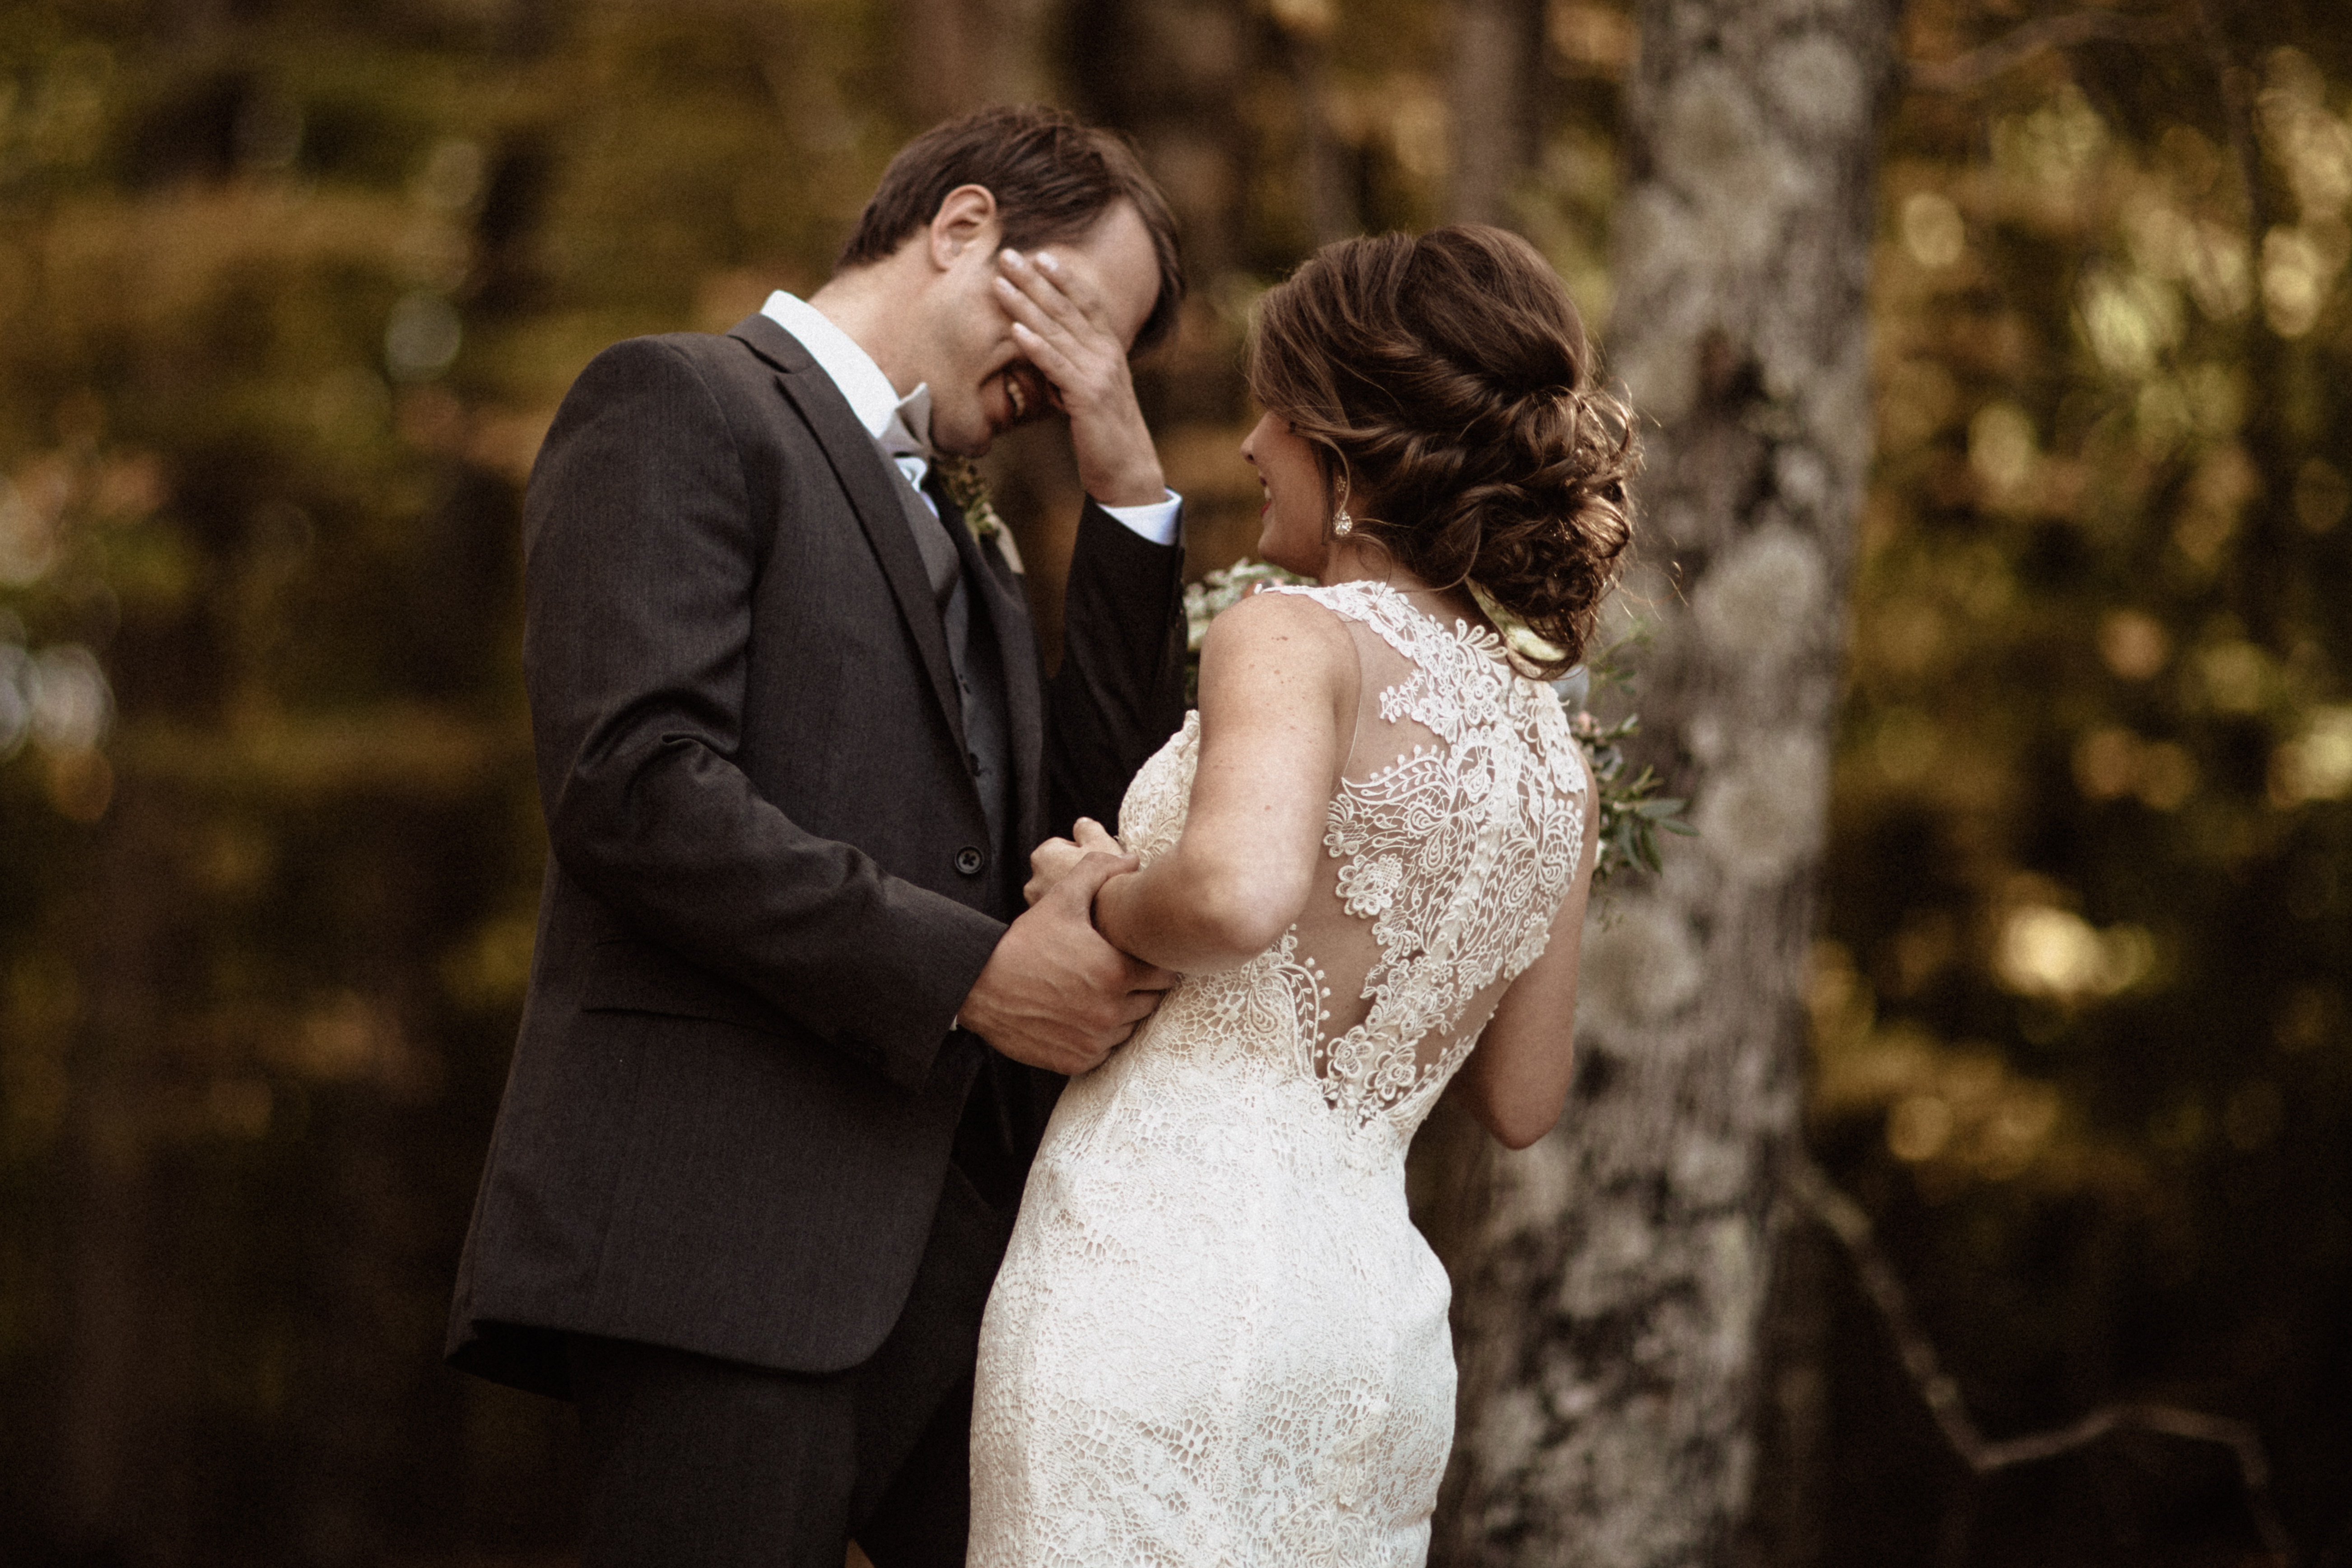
1108	908
1139	488
1118	464
1098	909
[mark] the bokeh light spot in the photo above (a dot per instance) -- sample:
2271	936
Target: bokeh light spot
1932	229
2133	644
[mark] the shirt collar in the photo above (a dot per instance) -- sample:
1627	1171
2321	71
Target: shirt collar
900	424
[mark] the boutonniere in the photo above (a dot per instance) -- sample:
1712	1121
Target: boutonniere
960	478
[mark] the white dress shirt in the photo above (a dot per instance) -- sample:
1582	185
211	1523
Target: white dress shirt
903	424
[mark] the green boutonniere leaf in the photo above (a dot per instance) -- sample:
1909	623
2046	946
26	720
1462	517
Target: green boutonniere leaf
960	478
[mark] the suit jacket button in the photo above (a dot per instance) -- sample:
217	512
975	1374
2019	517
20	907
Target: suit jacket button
969	860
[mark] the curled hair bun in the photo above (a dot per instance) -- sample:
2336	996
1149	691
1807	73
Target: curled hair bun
1447	382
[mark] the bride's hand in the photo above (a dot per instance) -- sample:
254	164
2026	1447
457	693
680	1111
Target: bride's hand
1054	859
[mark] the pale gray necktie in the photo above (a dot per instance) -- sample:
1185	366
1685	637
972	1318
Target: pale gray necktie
908	435
983	710
941	565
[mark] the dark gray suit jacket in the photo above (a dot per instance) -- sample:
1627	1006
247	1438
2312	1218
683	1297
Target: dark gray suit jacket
728	1123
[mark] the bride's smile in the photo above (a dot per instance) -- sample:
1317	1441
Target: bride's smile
1295	515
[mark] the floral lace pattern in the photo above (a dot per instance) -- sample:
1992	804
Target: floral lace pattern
1217	1338
1458	854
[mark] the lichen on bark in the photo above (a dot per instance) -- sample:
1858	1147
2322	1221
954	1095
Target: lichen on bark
1610	1281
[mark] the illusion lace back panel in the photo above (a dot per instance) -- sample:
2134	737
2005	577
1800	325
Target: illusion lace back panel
1217	1338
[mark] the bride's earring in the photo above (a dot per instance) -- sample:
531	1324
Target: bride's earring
1342	523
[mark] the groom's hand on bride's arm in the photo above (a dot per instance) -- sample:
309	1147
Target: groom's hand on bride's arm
1061	323
1054	995
1048	864
1057	857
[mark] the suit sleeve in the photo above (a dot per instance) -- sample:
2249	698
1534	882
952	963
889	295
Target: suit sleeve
1119	693
640	556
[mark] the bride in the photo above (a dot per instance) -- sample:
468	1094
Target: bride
1217	1338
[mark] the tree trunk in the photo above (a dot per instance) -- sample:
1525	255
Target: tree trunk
1611	1307
1497	50
119	1419
960	55
1323	165
1786	1526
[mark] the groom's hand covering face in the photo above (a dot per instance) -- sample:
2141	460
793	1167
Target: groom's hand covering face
1017	335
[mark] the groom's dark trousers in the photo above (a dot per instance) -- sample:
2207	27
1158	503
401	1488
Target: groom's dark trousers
748	1186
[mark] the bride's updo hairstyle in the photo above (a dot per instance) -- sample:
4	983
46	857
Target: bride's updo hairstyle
1447	387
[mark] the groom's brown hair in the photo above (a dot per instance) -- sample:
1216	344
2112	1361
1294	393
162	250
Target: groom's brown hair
1051	178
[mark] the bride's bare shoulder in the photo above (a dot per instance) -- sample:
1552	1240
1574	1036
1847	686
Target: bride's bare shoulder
1293	628
1274	658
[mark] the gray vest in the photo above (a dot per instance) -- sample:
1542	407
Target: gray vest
986	1133
950	556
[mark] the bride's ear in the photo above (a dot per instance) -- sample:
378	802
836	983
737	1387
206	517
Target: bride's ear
967	219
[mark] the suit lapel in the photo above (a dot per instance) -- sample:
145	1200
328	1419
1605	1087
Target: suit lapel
857	464
1025	704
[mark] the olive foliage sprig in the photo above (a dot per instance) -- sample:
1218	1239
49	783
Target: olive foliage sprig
1631	811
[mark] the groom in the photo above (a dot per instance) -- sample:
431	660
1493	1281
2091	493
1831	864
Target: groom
791	1035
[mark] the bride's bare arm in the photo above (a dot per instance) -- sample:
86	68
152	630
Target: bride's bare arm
1516	1080
1278	711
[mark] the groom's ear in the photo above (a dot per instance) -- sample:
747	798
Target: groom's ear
967	219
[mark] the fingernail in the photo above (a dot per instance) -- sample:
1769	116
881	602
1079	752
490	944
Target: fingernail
1011	256
1049	264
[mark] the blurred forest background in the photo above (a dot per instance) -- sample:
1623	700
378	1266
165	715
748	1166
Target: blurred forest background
289	291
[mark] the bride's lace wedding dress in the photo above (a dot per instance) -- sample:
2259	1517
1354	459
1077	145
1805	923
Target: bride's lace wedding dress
1217	1340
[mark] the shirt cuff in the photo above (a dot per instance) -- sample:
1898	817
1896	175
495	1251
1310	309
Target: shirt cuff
1154	520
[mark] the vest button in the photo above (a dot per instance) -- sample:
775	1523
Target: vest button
969	860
